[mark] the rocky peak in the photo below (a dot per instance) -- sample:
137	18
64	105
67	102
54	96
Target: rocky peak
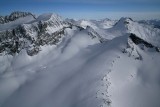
94	34
124	21
46	31
14	16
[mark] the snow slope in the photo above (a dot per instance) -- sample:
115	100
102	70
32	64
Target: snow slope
100	26
82	71
95	76
127	25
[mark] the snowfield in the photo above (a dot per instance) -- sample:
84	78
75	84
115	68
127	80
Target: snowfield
85	68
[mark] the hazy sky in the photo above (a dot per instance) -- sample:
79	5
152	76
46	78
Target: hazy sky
90	9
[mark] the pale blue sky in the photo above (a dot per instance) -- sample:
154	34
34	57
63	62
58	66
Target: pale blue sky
90	9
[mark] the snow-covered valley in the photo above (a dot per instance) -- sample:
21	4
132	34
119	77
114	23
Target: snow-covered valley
48	61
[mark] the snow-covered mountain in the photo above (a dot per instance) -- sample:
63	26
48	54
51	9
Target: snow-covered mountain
14	16
48	61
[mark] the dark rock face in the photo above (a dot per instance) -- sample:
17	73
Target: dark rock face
138	41
13	41
31	37
14	16
134	42
93	34
2	20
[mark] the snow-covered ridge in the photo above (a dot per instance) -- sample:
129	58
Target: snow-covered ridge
31	37
17	22
30	33
46	29
14	16
49	16
136	44
123	22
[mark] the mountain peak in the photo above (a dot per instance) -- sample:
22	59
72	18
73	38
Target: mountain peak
105	19
125	20
14	16
49	16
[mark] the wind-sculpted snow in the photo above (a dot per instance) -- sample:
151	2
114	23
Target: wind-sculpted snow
78	66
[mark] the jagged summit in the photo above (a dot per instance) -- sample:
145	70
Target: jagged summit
47	29
123	22
105	19
49	16
17	14
29	33
14	16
